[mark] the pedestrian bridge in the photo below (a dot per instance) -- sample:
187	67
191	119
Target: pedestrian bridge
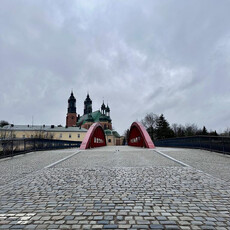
95	137
138	137
115	187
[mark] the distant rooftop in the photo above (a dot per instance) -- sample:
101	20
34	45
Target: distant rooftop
112	132
52	128
95	115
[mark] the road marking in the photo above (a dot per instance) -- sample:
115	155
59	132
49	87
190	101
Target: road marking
4	188
186	165
63	159
173	159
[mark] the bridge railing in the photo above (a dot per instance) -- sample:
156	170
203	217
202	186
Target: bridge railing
11	147
211	143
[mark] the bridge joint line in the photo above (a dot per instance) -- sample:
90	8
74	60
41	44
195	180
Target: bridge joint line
186	165
61	160
173	159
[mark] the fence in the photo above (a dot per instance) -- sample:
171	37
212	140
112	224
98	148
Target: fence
11	147
218	144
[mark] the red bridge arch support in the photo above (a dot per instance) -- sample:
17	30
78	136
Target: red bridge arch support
95	137
139	137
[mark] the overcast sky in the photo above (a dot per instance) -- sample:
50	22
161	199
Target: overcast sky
160	56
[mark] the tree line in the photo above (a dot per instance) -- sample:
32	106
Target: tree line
159	128
3	123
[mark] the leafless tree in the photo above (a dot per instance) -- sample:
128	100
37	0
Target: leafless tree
3	123
175	128
191	129
178	129
150	120
6	134
6	141
42	134
226	132
126	136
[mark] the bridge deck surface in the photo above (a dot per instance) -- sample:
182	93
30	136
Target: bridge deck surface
112	188
216	164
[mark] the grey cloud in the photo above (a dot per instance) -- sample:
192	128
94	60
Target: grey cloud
168	57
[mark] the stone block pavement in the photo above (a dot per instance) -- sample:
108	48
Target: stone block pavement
115	188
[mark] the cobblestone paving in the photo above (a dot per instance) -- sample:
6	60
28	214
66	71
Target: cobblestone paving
17	167
151	192
216	164
117	198
117	157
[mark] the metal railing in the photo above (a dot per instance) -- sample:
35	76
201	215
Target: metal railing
211	143
11	147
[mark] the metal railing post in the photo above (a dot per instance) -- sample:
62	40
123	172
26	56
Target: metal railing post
12	147
223	145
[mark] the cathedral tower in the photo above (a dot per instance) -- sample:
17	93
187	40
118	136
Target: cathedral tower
103	108
87	105
71	118
107	111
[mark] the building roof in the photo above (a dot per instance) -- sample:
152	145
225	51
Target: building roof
112	133
89	118
116	134
95	115
50	128
104	118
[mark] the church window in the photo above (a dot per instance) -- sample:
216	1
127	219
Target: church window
70	135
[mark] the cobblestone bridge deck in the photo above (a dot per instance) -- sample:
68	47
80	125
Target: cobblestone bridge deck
116	188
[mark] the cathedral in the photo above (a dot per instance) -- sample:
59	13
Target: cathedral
89	117
76	125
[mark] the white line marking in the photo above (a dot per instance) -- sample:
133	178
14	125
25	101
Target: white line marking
186	165
63	159
171	158
4	188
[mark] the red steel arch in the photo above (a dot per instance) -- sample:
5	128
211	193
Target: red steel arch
95	137
139	137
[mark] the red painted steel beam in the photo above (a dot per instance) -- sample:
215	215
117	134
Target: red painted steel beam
95	137
139	137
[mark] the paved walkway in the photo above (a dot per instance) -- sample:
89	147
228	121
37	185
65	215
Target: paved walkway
115	188
216	164
117	157
17	167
